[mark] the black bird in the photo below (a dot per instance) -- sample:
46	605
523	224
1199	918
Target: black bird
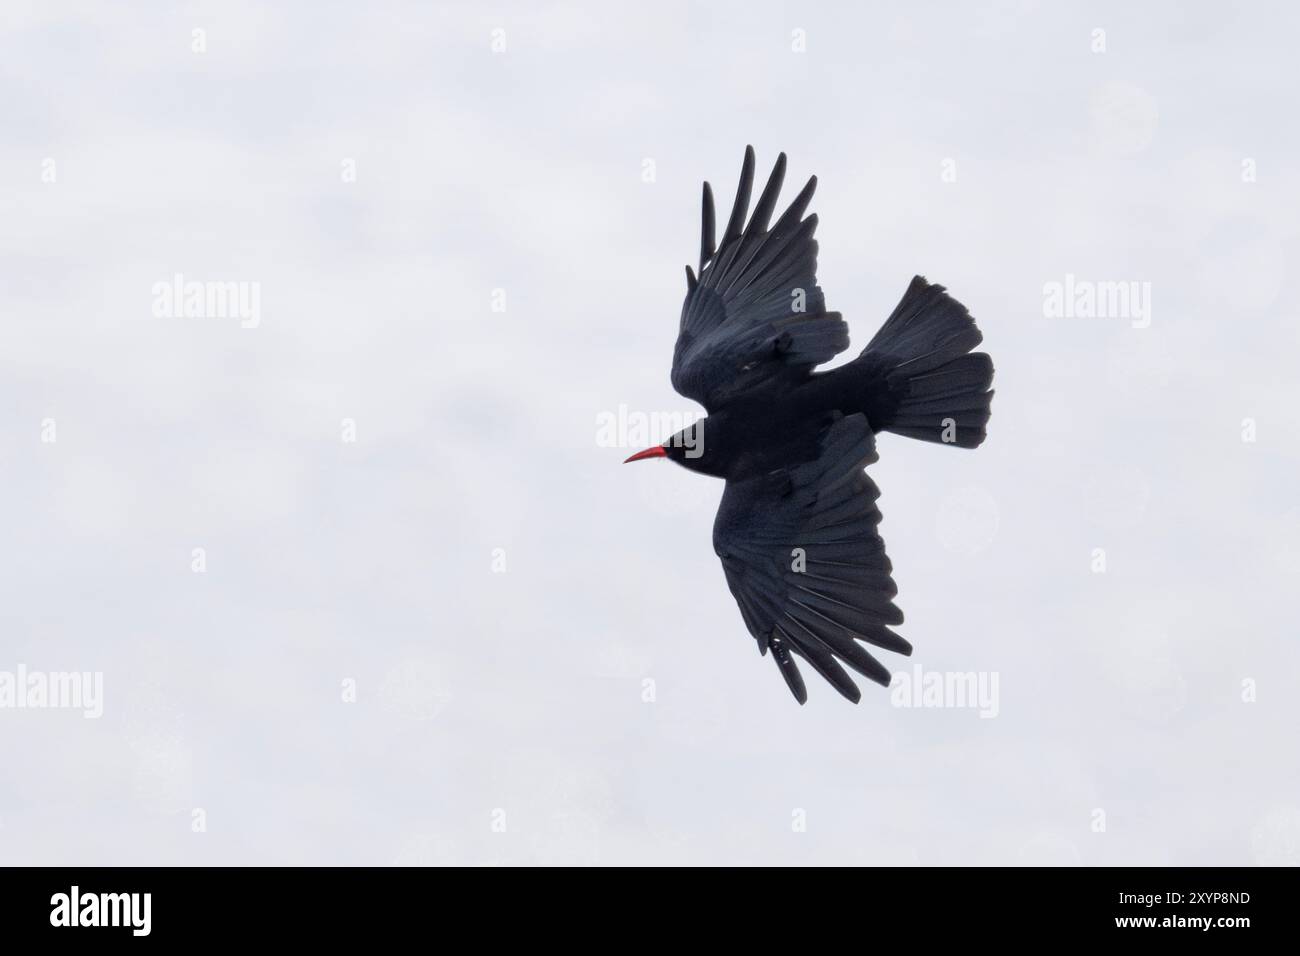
796	529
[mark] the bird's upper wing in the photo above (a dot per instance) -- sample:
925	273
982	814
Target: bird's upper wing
755	313
806	565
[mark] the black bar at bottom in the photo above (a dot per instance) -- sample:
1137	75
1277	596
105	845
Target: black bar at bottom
212	905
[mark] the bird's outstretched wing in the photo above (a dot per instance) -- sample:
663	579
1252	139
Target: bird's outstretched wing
755	313
806	565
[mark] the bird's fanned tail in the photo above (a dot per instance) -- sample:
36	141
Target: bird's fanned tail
923	380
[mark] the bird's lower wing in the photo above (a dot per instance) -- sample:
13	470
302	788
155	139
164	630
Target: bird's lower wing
807	566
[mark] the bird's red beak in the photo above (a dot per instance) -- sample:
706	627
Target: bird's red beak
655	451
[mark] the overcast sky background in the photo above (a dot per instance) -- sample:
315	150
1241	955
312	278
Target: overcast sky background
523	170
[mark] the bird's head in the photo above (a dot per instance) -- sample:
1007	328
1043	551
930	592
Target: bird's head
686	448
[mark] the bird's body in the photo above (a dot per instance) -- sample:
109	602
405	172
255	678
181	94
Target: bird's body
796	529
777	424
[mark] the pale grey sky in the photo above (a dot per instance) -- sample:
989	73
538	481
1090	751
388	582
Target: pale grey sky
988	146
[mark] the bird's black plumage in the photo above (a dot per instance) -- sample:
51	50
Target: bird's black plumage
801	554
797	526
756	315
